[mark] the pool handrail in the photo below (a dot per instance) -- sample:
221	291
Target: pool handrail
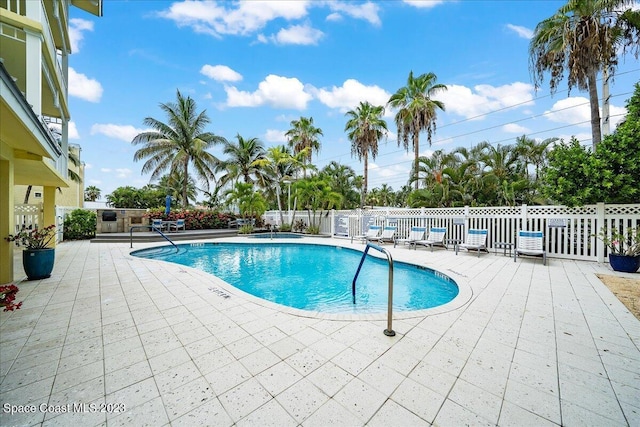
389	331
153	228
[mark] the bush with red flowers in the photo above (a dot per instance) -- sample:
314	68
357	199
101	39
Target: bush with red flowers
194	219
8	296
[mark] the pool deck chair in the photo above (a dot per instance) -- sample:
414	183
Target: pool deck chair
476	239
388	235
435	238
157	223
179	224
530	243
416	233
372	233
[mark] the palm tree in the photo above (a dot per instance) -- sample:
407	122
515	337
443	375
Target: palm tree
342	179
174	145
278	165
91	193
241	160
173	183
583	38
303	134
365	129
416	112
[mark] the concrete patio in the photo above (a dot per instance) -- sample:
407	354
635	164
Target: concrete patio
110	339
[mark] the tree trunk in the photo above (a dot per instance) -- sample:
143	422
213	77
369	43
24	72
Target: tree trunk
596	134
185	202
279	204
27	194
363	195
416	152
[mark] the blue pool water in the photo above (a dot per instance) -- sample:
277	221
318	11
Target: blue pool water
313	277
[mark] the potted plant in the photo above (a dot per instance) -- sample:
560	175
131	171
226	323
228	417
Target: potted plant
7	297
37	256
624	248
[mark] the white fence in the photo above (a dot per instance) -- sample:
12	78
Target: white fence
30	217
569	232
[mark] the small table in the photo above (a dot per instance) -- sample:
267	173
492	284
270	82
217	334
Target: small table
453	242
167	225
504	246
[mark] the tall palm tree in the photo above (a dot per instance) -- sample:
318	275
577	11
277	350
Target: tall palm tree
92	193
365	128
583	38
278	165
303	134
342	179
182	141
241	160
416	112
173	183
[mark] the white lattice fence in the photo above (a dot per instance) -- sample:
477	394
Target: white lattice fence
569	232
28	216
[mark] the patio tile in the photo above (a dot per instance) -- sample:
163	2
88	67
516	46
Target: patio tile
541	403
514	415
260	360
227	377
184	399
126	376
271	414
418	399
151	413
177	376
452	413
360	398
305	361
331	413
302	399
330	378
473	399
244	398
393	414
209	413
135	394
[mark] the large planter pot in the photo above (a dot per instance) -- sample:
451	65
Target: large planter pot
624	263
38	263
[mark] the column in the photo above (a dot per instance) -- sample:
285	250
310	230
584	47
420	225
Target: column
49	209
7	221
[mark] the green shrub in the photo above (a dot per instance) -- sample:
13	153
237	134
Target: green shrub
80	224
245	229
299	225
313	229
285	227
194	219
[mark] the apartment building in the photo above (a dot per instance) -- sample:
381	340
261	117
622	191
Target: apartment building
34	52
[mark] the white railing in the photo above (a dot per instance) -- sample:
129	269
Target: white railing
28	217
575	238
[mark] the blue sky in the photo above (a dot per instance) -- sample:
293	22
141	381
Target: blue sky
255	66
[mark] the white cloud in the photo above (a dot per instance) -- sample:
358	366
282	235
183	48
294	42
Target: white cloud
123	172
334	17
220	73
483	99
423	4
367	11
241	18
77	27
617	114
523	32
571	110
83	87
276	91
123	132
88	166
350	94
73	131
515	128
274	135
297	34
105	170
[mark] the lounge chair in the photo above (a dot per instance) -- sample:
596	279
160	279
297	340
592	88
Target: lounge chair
178	224
435	238
416	233
530	243
476	239
388	235
157	223
372	233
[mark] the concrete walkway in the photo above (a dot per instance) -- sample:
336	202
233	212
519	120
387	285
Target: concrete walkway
111	339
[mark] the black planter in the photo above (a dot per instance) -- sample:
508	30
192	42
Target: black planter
624	263
38	263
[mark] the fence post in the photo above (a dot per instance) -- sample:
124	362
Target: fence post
466	219
523	215
600	222
333	222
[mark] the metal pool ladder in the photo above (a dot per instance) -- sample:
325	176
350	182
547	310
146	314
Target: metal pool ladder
389	331
153	228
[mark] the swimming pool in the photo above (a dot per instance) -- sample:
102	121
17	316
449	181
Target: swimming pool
313	277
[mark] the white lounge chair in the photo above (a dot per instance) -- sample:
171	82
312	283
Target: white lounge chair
416	233
388	235
530	243
372	233
435	238
157	223
476	240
